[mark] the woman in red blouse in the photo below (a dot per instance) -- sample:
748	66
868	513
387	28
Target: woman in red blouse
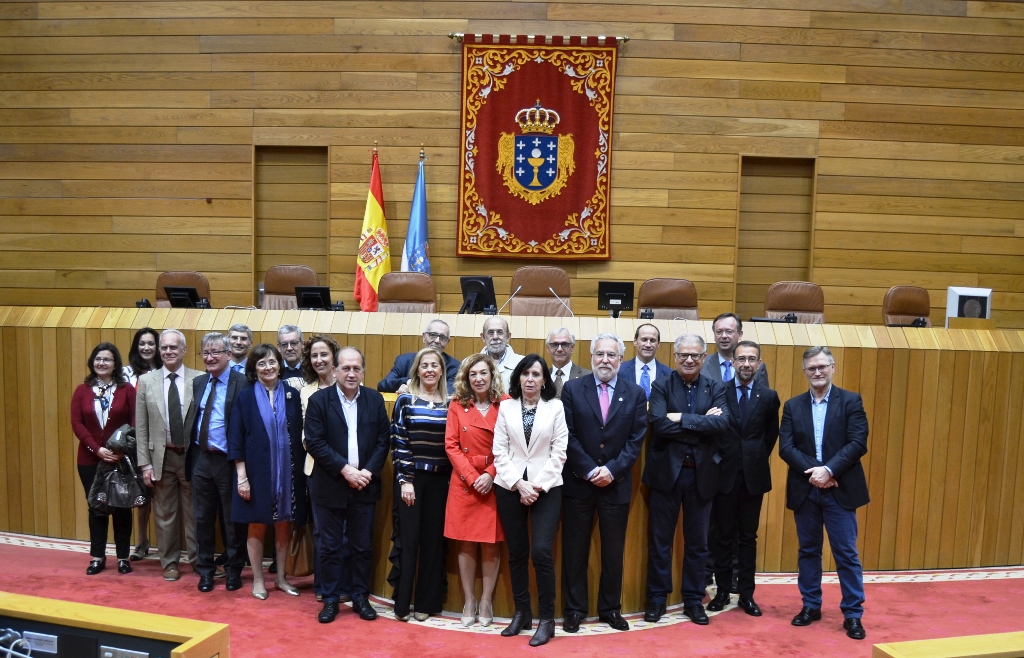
100	405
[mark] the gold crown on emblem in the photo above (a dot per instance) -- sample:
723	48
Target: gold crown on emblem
537	119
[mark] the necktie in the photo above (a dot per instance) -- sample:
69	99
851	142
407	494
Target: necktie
174	419
605	402
744	399
645	380
729	372
204	427
558	383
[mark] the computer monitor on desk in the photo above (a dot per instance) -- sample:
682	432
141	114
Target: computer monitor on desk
478	295
184	297
614	297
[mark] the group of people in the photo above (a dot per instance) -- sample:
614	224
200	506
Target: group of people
497	447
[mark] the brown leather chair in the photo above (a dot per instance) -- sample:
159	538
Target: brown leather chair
534	298
904	304
279	285
187	279
802	298
406	292
668	298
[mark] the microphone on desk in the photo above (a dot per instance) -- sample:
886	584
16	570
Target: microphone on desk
571	314
508	300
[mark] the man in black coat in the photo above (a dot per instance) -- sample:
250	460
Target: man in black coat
688	416
744	475
607	419
347	431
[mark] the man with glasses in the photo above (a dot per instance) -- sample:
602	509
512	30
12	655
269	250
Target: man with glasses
744	477
728	329
207	465
240	337
436	335
561	344
688	417
607	420
496	335
289	341
823	435
644	369
163	415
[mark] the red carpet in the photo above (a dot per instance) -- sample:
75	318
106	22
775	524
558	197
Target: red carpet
287	626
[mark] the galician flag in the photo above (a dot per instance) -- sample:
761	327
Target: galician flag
416	255
374	258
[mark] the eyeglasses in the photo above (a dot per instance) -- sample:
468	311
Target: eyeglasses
207	355
291	343
813	369
431	336
606	355
560	346
686	356
746	359
102	359
725	332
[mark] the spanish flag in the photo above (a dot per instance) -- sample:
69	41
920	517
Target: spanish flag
374	258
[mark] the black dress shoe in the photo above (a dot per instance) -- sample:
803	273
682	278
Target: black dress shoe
521	621
615	620
653	611
748	606
696	614
233	582
806	616
97	565
721	600
363	607
571	623
329	612
545	631
205	583
124	566
854	628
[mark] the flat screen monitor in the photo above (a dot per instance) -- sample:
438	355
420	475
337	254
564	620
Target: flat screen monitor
477	294
614	297
317	298
182	296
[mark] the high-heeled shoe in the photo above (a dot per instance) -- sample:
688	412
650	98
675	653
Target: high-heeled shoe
261	595
468	619
545	631
521	621
287	587
485	613
97	565
124	566
421	616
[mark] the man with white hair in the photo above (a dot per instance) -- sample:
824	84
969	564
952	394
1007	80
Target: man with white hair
561	344
496	335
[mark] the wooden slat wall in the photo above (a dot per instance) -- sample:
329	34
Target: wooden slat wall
118	120
943	465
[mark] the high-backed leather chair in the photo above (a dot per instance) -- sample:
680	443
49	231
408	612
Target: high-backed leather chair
802	298
186	279
406	292
668	298
279	285
534	298
904	304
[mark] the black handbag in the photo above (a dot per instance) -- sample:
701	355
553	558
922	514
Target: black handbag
121	487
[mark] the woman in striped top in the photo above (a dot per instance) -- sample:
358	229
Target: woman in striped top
422	471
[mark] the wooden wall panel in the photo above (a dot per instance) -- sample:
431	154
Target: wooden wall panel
115	117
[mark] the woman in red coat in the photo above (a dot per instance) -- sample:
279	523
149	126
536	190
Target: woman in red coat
100	405
472	513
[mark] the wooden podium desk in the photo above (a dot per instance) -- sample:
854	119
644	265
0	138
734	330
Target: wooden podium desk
944	464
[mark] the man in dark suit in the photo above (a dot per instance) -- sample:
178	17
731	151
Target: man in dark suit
643	369
436	335
823	435
560	345
347	431
728	330
688	417
607	419
207	465
744	475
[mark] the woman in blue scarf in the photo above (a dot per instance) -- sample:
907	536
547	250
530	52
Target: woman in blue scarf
265	443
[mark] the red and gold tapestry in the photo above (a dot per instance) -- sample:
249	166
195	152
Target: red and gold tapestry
536	146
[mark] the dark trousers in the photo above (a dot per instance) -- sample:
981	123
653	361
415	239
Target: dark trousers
98	523
664	513
212	479
346	566
577	527
821	509
530	532
355	523
419	529
738	513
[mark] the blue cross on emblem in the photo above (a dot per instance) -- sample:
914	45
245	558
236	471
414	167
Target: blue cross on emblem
536	160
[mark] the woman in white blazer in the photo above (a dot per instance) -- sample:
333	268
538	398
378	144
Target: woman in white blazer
530	439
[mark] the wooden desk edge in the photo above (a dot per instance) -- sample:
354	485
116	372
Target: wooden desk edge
196	638
996	645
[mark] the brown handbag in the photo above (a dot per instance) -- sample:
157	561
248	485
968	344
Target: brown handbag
300	552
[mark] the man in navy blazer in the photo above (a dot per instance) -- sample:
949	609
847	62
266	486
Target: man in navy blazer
744	476
436	335
728	328
646	340
601	451
823	435
688	416
347	431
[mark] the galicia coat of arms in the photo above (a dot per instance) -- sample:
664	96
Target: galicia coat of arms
373	248
536	164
